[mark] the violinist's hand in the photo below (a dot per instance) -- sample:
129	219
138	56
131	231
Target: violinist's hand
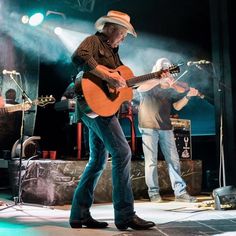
166	82
192	92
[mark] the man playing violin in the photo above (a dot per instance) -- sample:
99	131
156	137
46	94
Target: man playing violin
156	101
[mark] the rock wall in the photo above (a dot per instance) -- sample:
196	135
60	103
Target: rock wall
52	182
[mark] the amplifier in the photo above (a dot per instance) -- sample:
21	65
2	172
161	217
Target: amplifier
182	132
181	124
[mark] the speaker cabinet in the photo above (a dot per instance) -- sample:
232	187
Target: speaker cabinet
225	197
182	132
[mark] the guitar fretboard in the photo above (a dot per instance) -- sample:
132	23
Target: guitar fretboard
138	79
17	107
13	108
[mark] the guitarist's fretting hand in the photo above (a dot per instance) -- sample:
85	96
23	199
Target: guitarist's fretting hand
111	76
26	106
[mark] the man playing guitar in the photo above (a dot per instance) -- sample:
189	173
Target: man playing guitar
8	108
98	57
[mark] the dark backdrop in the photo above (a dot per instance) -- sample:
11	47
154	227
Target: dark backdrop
183	31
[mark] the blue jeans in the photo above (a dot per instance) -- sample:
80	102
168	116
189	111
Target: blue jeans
150	140
105	134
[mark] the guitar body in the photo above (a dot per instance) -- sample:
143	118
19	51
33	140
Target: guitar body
102	99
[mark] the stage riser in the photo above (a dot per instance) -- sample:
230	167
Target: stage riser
53	182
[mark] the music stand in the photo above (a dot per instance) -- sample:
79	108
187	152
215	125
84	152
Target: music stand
25	98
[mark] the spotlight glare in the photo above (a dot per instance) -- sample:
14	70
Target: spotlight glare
58	30
36	19
25	19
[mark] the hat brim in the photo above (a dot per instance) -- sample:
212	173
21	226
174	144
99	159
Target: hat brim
104	19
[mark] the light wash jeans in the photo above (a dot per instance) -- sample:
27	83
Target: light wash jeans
105	133
150	139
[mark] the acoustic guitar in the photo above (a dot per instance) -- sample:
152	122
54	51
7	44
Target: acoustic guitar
105	100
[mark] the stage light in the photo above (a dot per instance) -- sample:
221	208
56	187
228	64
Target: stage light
25	19
36	19
58	30
71	39
55	21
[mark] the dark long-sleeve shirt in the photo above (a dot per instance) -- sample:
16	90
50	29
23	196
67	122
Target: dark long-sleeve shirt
95	50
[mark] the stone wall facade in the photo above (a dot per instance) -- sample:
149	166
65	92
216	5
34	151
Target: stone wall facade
52	182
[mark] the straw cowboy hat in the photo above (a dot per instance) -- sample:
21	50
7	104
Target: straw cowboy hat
116	17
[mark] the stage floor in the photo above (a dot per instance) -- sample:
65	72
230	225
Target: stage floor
171	218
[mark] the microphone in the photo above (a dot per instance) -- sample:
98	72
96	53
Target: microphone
201	62
10	72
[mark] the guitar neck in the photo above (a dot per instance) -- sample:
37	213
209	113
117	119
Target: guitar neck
41	101
138	79
13	108
16	107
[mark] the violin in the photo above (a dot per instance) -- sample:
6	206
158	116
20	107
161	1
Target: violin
182	87
178	86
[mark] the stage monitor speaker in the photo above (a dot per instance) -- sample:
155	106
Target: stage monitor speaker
225	198
182	132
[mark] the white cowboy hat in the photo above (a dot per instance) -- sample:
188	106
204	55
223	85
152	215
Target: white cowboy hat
116	17
162	63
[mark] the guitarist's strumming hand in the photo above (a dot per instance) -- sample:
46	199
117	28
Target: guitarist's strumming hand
113	78
2	103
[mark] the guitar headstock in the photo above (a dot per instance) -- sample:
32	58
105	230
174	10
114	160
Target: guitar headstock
43	101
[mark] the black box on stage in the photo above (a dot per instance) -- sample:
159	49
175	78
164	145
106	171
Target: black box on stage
182	132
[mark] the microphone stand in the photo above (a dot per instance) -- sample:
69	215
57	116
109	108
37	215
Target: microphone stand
25	98
221	190
223	195
222	178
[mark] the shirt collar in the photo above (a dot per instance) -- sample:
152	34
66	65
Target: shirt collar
104	38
